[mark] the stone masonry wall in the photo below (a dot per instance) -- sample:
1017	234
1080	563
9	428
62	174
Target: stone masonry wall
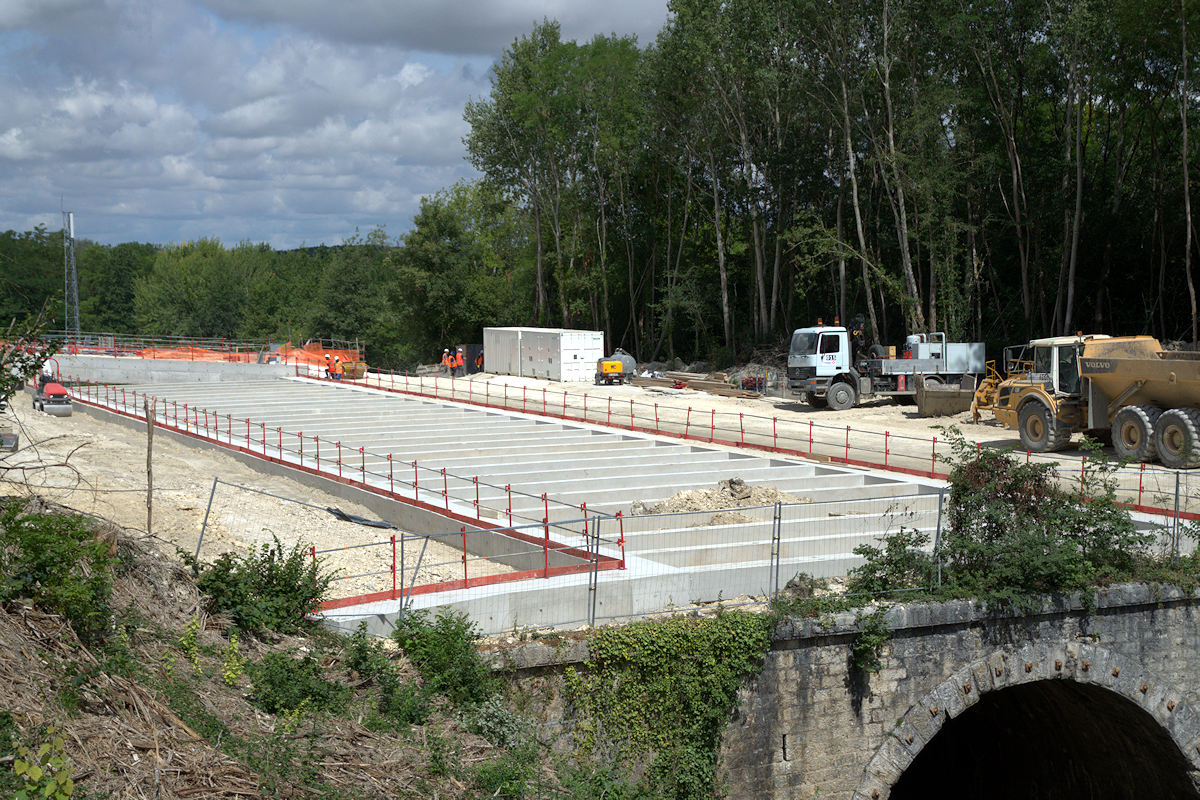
810	725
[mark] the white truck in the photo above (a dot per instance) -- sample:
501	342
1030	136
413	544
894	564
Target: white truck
830	366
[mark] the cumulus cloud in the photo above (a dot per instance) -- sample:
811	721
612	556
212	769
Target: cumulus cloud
292	123
467	27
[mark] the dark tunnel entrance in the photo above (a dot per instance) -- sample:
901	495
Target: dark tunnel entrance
1049	739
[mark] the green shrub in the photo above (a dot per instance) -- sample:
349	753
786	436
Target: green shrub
507	775
283	683
495	721
900	564
1011	533
271	588
400	702
444	652
55	562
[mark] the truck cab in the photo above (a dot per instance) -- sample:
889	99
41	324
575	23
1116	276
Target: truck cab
818	359
1044	395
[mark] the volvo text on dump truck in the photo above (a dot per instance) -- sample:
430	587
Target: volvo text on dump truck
1129	387
829	365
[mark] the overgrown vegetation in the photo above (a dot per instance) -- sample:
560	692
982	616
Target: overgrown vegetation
665	689
55	563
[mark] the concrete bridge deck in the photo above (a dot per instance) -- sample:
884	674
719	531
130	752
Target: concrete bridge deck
497	464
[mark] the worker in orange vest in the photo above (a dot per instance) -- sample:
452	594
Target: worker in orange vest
337	368
328	367
479	361
458	363
447	361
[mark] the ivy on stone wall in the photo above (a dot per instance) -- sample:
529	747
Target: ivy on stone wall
660	693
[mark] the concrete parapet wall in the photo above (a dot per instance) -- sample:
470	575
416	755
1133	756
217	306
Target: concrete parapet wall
116	369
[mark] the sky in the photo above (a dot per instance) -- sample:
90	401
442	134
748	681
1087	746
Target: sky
290	122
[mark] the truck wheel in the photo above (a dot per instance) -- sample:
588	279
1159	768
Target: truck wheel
1133	432
840	396
1040	432
1177	437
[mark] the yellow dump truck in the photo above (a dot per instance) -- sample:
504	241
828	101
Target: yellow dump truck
1147	399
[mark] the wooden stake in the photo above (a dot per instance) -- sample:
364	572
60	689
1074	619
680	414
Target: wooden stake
146	406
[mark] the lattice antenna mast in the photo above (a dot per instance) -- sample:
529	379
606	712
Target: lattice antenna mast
70	277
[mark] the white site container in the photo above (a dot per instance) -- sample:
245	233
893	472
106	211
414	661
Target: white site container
502	351
556	354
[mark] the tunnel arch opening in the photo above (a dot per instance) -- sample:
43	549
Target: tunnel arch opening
1049	739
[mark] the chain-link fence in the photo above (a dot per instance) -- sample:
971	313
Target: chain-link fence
587	570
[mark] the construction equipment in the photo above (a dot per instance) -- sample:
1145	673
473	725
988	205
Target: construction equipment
1146	398
51	397
829	365
617	368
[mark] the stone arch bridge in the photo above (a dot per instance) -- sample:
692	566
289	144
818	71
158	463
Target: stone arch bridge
1058	704
1063	703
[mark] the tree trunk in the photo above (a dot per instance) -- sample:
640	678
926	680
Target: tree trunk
858	223
1187	190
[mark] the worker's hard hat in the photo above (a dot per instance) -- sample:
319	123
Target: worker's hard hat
327	356
446	350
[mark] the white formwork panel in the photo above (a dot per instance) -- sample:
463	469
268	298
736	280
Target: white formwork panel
502	351
540	353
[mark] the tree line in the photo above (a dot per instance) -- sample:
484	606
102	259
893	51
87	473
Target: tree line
994	170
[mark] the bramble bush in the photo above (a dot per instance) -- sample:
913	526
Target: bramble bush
271	588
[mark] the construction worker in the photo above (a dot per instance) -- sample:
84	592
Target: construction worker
458	363
479	361
336	372
447	361
328	365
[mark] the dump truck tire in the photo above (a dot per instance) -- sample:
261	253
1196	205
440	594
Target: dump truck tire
1133	432
840	396
1177	437
1040	431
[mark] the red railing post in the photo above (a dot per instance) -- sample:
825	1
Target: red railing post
414	466
393	565
339	456
263	431
362	455
847	444
391	476
585	406
564	404
933	460
631	424
712	426
656	418
1082	474
508	490
300	437
312	549
810	437
543	400
688	423
885	449
1141	475
175	411
317	448
524	397
445	489
608	420
466	579
279	433
546	546
742	426
774	433
475	480
621	536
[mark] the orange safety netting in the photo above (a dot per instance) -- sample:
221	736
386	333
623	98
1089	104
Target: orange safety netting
312	353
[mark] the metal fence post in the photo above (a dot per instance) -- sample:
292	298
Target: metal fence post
776	542
1175	534
937	537
594	571
204	524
